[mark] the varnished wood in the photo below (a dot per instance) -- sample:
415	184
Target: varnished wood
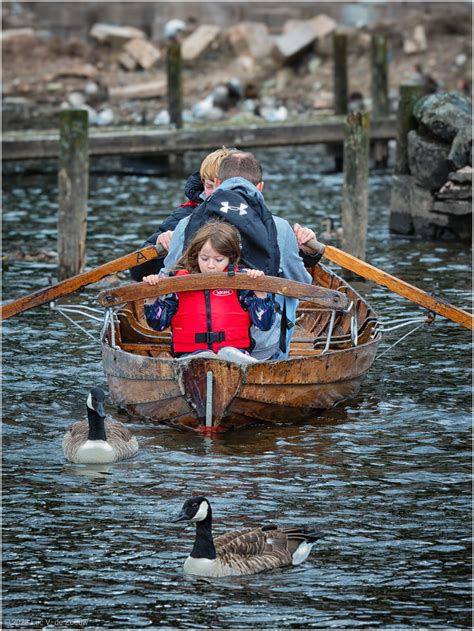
174	390
321	296
397	285
69	285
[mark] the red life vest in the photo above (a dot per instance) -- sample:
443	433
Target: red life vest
208	320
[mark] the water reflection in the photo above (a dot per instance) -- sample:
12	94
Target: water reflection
386	475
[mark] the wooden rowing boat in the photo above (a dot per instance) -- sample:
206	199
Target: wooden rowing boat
331	351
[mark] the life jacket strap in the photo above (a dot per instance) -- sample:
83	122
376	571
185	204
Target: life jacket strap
210	337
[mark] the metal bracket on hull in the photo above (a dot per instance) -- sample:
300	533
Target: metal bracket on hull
209	398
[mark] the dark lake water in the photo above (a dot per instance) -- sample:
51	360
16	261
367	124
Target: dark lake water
386	475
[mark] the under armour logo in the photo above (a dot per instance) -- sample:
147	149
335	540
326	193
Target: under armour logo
240	209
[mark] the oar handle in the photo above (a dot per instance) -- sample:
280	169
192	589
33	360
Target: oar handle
322	297
397	285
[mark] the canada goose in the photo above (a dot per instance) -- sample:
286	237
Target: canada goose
330	233
243	551
97	441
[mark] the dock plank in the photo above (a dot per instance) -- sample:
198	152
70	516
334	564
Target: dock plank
40	144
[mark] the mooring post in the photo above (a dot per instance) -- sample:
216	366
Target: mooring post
356	179
409	95
401	220
175	100
73	184
380	105
340	87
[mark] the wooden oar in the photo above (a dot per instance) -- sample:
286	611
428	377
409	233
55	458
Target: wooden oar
322	297
437	305
69	285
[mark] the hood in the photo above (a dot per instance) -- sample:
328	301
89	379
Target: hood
242	186
193	188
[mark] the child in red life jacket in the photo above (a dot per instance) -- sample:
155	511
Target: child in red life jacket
216	321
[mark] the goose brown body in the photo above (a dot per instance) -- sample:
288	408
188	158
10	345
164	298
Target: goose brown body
242	552
97	441
121	441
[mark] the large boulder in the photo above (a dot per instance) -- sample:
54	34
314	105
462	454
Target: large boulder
460	153
428	161
444	113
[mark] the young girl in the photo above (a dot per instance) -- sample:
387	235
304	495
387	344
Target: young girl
211	320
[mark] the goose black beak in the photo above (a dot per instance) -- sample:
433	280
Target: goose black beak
181	517
100	409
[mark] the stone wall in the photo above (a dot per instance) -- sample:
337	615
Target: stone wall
434	201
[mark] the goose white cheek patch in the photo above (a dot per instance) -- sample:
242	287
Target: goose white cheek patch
202	512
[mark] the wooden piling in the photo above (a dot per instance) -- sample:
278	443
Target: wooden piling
73	183
409	94
380	104
355	189
175	100
340	88
340	73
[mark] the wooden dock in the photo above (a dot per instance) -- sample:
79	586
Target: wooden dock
139	140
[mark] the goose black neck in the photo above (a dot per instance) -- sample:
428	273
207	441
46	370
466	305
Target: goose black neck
204	543
96	426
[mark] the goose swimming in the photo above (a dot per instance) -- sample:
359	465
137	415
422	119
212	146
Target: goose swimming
97	441
242	552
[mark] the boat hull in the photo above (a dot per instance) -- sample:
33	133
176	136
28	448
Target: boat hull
175	391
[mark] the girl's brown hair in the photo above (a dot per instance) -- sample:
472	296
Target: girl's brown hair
223	237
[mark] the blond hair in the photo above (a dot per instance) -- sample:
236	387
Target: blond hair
211	163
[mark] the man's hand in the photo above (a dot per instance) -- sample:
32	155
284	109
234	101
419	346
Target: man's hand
303	235
164	239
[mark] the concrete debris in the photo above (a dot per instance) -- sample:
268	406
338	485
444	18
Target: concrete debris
17	35
199	41
148	90
251	38
417	43
144	53
115	35
127	62
323	26
87	71
294	42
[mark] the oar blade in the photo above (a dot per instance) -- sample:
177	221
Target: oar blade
69	285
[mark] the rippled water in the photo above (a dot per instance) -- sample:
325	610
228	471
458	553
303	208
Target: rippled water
386	476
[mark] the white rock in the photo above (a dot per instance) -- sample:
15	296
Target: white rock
105	117
206	110
162	118
173	28
91	88
274	115
76	99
